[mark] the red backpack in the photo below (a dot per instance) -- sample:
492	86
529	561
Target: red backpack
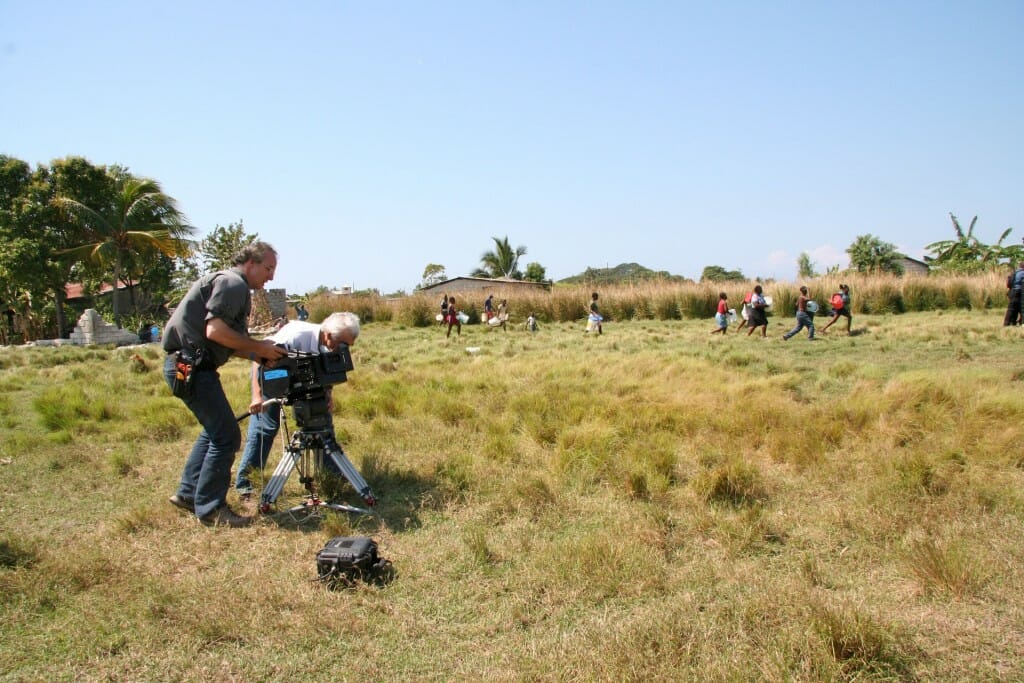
748	297
837	301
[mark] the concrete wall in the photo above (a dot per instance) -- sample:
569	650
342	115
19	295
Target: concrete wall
92	329
278	302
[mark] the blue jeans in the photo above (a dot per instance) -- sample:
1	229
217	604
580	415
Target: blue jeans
802	320
258	442
263	428
207	473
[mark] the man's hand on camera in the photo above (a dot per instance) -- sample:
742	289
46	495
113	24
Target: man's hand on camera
256	406
270	352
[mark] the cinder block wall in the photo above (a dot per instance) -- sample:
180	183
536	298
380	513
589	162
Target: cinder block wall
278	302
92	329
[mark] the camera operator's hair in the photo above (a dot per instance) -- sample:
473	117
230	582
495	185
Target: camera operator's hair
255	252
336	323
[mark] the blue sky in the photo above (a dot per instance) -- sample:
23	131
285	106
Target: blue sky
367	140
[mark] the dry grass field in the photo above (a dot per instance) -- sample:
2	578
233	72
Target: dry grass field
655	503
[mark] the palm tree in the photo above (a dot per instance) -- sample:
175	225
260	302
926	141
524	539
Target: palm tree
962	253
502	262
967	253
139	222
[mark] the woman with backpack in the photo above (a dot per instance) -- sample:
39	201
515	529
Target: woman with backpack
840	307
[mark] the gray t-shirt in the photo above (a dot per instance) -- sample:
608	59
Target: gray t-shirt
225	295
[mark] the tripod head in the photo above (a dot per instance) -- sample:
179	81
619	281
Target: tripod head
311	412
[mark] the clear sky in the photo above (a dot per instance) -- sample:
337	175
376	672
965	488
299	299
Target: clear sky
366	140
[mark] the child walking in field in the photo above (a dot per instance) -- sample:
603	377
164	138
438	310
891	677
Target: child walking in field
840	308
594	318
722	315
453	318
804	316
745	311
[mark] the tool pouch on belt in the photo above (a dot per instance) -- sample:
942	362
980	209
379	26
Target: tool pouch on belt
185	366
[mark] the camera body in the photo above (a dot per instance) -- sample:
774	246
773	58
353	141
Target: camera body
301	380
301	375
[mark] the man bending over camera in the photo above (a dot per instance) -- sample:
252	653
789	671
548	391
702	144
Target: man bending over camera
264	421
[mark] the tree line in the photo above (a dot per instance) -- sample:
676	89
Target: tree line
72	221
75	222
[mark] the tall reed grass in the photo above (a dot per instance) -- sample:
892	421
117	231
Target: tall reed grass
876	294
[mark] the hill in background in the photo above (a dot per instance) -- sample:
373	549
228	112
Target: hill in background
624	273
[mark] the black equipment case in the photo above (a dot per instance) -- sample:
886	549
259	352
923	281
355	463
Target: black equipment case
347	557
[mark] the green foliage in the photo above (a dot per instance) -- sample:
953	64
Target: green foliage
126	231
217	250
967	254
433	274
720	274
869	254
503	262
805	267
535	272
622	274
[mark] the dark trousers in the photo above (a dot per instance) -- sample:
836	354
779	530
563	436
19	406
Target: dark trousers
207	472
1013	310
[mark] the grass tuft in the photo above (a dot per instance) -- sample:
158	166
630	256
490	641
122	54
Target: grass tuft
733	482
944	568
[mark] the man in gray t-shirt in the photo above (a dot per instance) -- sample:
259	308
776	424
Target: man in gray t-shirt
207	328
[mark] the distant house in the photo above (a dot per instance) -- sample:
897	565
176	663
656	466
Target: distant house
911	266
75	291
484	285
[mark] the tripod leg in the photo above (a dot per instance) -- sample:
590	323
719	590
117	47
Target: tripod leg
333	450
274	486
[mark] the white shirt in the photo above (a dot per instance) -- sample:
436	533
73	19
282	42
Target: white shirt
299	336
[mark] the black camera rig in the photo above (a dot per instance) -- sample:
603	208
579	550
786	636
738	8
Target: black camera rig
301	374
300	380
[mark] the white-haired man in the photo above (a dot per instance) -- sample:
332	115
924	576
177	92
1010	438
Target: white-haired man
265	420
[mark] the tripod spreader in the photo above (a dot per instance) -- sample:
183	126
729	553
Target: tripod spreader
306	451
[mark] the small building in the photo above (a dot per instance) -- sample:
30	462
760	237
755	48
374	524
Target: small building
911	266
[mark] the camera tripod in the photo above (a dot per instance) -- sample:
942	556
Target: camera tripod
305	451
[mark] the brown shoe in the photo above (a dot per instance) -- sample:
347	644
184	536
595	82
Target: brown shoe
223	516
183	503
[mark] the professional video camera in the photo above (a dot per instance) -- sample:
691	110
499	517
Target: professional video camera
300	379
